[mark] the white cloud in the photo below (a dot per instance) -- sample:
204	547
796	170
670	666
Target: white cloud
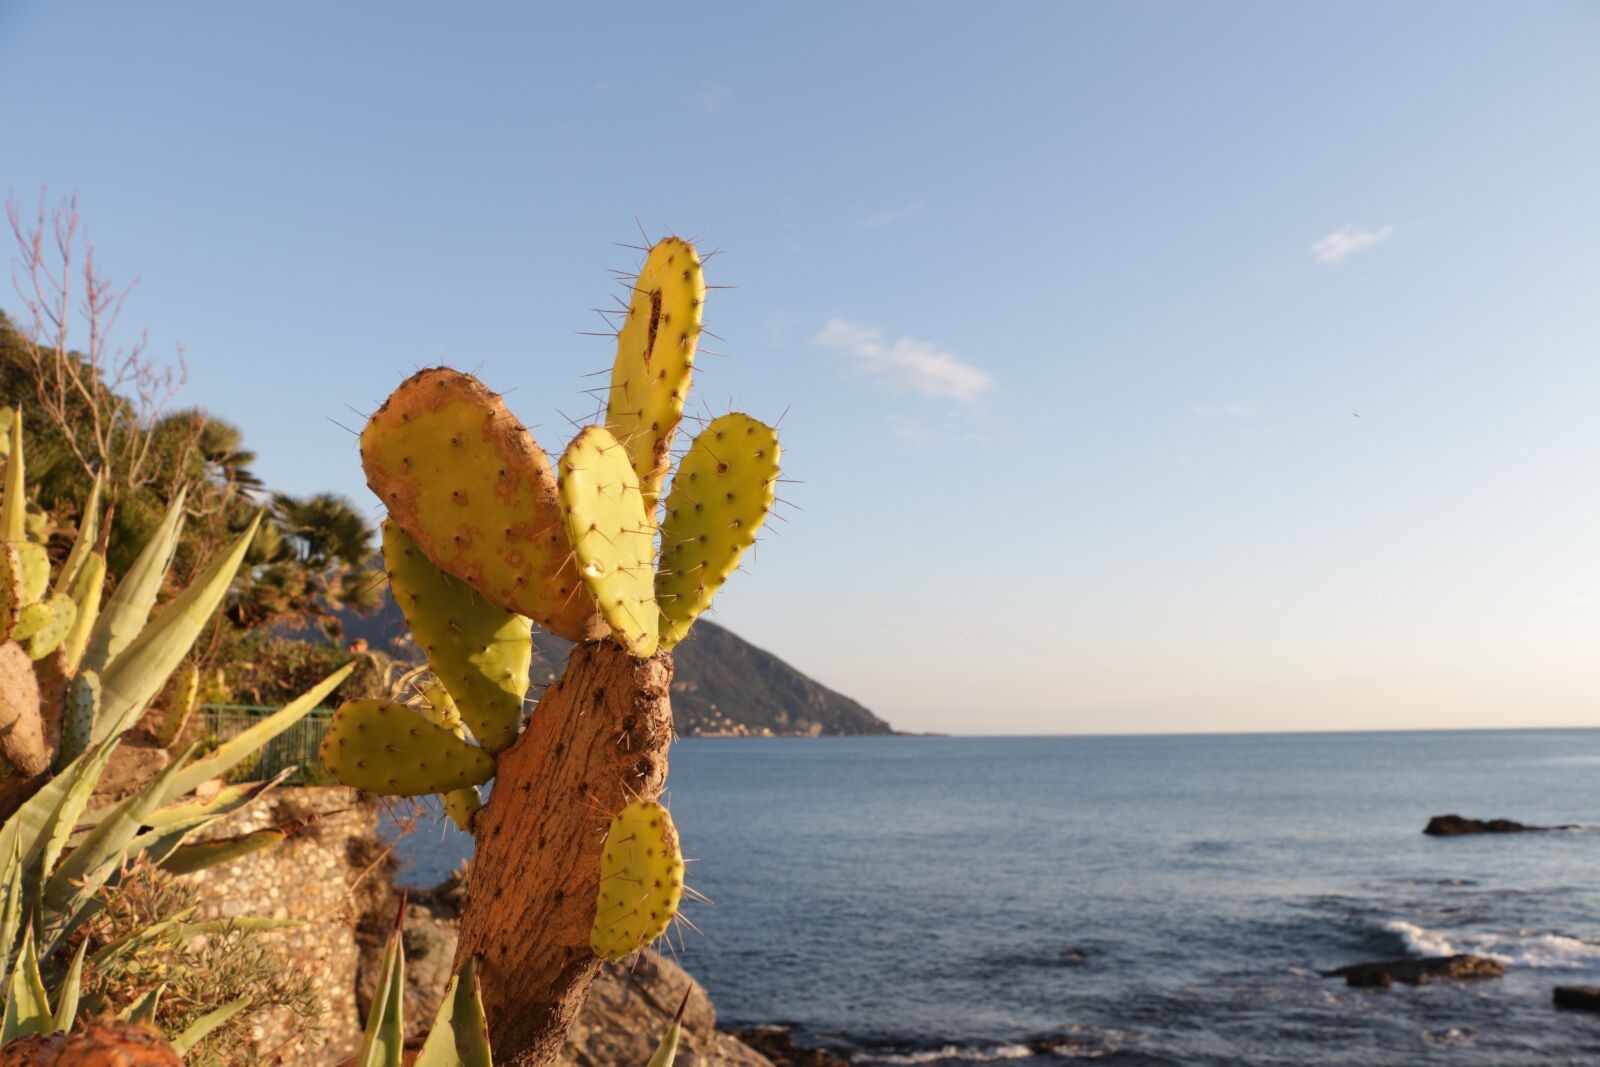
906	364
1346	241
1226	411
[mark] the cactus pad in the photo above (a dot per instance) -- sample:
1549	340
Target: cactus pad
83	706
10	589
467	482
479	651
461	805
655	359
185	698
613	539
720	496
35	563
46	624
394	750
641	880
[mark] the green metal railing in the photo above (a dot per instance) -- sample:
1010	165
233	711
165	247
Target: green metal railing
295	748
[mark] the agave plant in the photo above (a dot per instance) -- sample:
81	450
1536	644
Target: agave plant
60	860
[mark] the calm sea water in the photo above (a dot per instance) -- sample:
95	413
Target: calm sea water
1151	900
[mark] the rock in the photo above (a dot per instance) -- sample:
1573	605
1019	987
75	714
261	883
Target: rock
777	1045
1455	825
629	1009
1381	974
1586	997
137	760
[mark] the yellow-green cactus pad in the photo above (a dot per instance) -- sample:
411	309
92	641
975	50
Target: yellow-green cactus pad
10	589
35	562
43	626
655	359
614	541
438	705
467	482
721	494
394	750
461	805
641	881
480	651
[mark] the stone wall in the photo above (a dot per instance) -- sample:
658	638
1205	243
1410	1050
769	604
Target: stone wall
327	875
334	876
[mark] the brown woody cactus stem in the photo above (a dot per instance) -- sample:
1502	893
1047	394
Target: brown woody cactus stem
22	727
597	740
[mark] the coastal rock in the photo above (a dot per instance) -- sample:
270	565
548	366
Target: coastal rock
1381	974
1456	825
1585	997
628	1009
777	1045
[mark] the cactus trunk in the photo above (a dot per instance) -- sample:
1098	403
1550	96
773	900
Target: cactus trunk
597	741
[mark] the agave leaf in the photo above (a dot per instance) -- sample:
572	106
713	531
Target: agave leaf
667	1051
230	753
71	989
138	673
197	857
192	814
383	1041
88	532
125	614
11	913
82	874
83	777
460	1034
14	506
143	1010
201	1028
86	593
27	1003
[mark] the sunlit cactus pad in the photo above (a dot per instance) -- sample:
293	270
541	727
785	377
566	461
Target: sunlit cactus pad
641	880
655	360
613	539
467	482
721	494
395	750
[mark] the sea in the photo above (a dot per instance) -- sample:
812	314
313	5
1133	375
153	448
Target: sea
1135	900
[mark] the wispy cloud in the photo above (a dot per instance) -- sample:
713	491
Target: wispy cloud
1346	241
1226	411
889	218
907	364
710	96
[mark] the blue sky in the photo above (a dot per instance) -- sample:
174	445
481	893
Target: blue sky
1147	366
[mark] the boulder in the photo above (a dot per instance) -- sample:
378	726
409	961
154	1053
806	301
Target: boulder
1456	825
628	1009
1585	997
1381	974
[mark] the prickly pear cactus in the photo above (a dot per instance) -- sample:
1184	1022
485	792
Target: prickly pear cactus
641	880
480	652
721	495
611	535
395	750
467	482
655	359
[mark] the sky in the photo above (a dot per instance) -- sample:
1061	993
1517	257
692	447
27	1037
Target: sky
1143	367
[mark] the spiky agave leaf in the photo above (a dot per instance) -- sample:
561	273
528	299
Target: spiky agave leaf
460	1034
125	614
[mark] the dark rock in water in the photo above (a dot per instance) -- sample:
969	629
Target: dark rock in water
1455	825
778	1046
1586	997
1381	974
